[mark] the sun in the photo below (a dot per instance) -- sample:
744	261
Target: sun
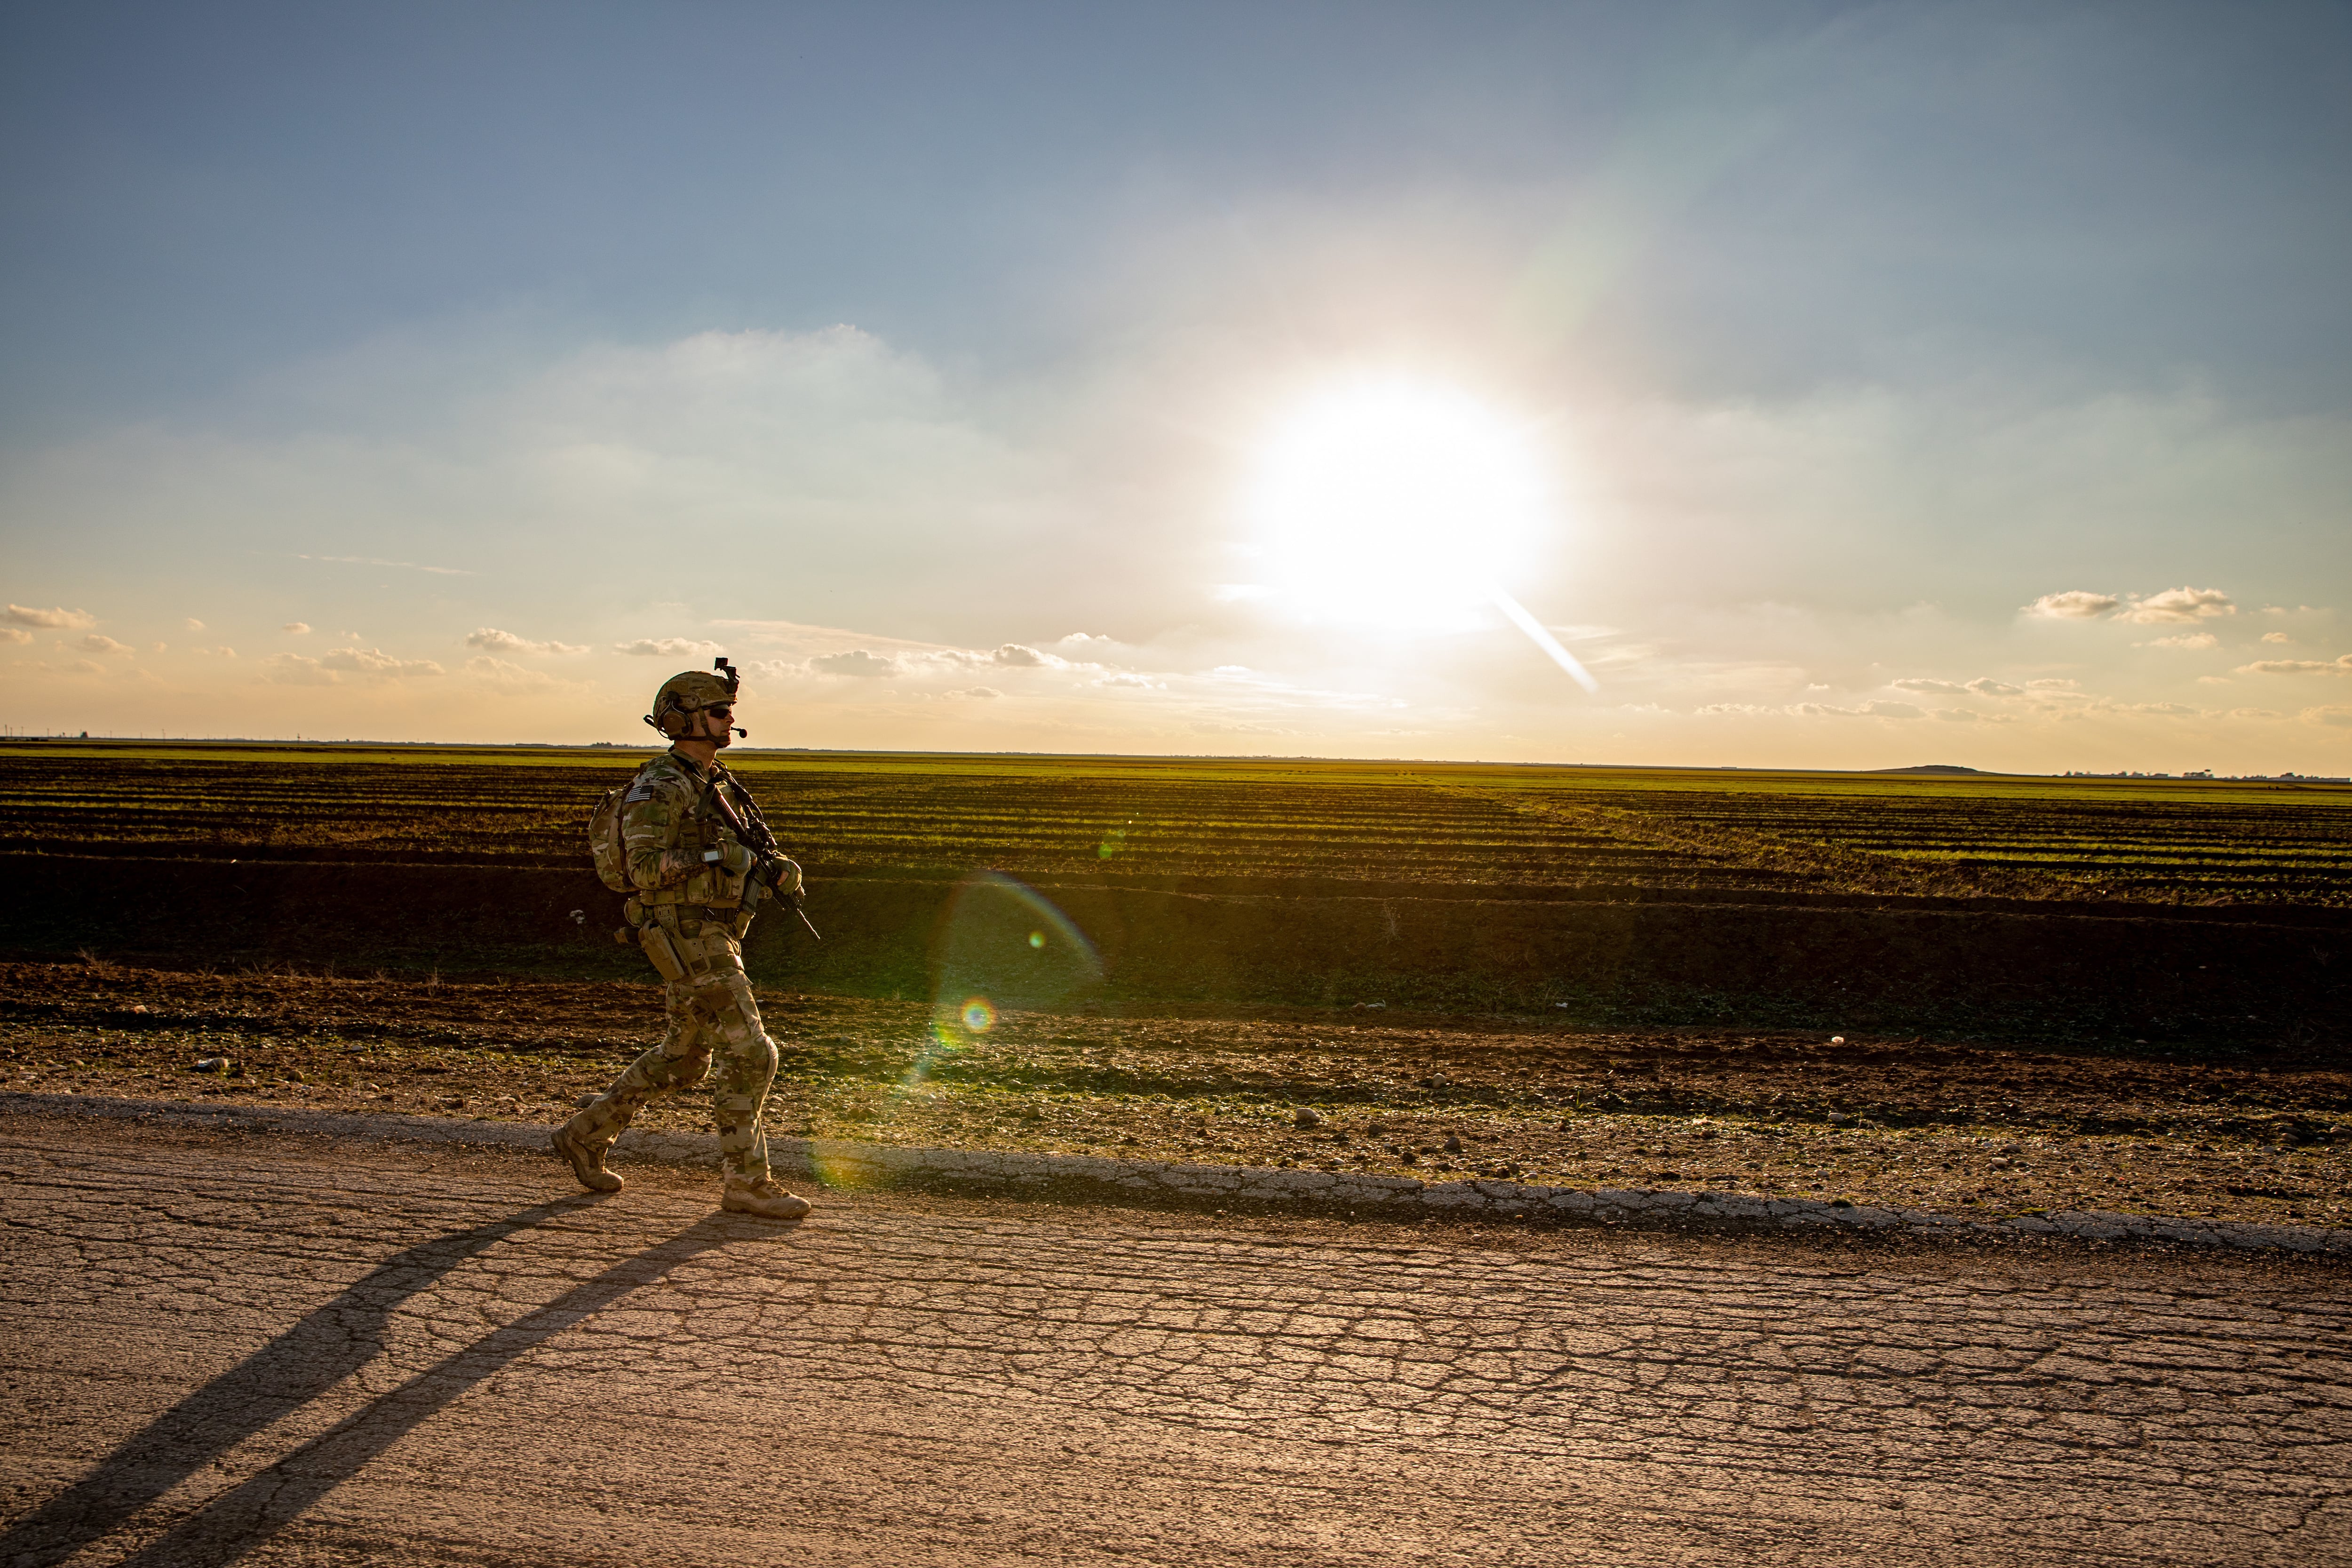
1396	501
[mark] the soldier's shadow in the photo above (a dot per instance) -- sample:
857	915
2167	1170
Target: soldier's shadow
298	1366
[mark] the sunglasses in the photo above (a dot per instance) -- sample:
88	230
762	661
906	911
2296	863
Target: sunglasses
722	711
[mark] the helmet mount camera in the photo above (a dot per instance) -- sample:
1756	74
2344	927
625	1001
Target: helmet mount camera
734	682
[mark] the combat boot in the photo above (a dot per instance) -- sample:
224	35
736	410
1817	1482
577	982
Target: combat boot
767	1198
587	1160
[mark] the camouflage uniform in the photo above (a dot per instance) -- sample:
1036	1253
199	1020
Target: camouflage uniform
692	911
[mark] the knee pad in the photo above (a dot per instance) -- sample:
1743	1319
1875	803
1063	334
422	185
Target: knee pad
747	1070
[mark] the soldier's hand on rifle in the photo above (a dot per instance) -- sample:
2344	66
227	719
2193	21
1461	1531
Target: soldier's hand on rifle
733	857
787	875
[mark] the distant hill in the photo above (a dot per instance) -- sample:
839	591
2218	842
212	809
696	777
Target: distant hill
1929	768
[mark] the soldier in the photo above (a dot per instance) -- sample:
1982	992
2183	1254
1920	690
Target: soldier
693	886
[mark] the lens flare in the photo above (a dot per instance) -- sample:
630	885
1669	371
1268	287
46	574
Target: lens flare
1000	947
1004	940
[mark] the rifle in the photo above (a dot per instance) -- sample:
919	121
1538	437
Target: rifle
750	829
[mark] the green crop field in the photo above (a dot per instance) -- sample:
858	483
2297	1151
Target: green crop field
1124	819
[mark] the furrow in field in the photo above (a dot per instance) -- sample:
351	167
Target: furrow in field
1042	817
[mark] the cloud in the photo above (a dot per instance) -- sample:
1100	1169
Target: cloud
857	662
1969	716
300	628
193	624
916	662
492	640
15	634
2276	636
295	670
98	643
2180	605
659	647
59	619
2335	713
1983	685
2052	683
2074	604
977	691
85	667
2298	667
2164	709
607	449
373	561
2252	714
2185	639
918	659
1867	711
2172	606
1007	656
485	667
376	661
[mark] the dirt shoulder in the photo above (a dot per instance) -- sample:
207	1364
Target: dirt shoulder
1968	1129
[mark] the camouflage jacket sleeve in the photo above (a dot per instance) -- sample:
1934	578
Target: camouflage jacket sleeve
665	827
658	830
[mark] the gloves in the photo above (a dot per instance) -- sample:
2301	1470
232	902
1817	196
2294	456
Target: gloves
735	860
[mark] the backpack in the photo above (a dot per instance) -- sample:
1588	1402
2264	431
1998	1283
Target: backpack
612	856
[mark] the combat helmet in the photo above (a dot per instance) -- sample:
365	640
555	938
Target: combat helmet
688	692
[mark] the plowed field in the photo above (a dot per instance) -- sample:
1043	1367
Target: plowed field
2129	912
1890	834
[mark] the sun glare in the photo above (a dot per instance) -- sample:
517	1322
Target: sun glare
1395	502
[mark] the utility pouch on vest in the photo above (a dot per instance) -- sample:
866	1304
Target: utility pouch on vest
663	950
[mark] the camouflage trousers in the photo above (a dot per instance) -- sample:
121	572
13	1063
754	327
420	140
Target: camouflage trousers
712	1015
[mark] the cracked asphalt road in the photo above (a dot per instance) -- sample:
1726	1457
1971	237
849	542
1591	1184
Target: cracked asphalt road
270	1351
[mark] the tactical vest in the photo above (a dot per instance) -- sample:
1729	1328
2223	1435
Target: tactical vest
696	830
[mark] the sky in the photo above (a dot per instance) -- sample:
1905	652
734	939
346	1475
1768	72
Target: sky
1774	384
